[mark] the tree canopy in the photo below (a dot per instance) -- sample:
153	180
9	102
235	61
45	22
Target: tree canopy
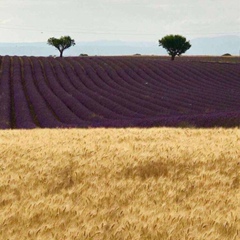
175	45
61	43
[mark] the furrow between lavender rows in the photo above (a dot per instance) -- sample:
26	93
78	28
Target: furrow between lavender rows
95	82
49	89
170	92
5	96
22	115
87	86
211	94
135	97
99	105
44	113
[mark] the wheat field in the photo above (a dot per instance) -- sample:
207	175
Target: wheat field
157	183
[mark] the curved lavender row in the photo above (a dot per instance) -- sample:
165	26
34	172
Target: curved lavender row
187	98
95	109
54	82
122	80
226	70
61	111
23	118
209	91
213	75
5	100
94	100
121	104
176	69
233	71
160	92
149	95
43	113
123	83
85	85
122	97
168	89
134	74
212	91
164	91
140	90
118	96
183	97
125	92
165	76
193	93
218	85
183	92
208	76
155	80
162	97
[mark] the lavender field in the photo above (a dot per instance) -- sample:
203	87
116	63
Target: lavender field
46	92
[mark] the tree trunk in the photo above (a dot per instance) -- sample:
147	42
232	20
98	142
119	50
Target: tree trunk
61	53
172	57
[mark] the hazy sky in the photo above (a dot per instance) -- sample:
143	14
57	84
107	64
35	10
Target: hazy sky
127	20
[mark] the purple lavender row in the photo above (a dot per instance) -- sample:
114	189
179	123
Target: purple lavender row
149	108
210	95
210	76
23	118
117	74
118	70
150	95
200	71
123	98
190	101
218	88
5	96
178	75
60	84
165	101
213	89
169	89
59	109
90	98
134	75
158	96
43	112
97	111
141	93
106	98
181	91
127	73
225	71
190	79
138	73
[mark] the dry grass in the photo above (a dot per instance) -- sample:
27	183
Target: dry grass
120	184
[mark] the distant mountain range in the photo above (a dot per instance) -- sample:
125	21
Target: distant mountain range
200	46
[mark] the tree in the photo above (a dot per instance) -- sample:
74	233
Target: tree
175	45
61	43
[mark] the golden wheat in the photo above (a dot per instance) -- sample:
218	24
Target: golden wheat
99	184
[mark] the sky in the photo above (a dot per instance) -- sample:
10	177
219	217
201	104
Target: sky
124	20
